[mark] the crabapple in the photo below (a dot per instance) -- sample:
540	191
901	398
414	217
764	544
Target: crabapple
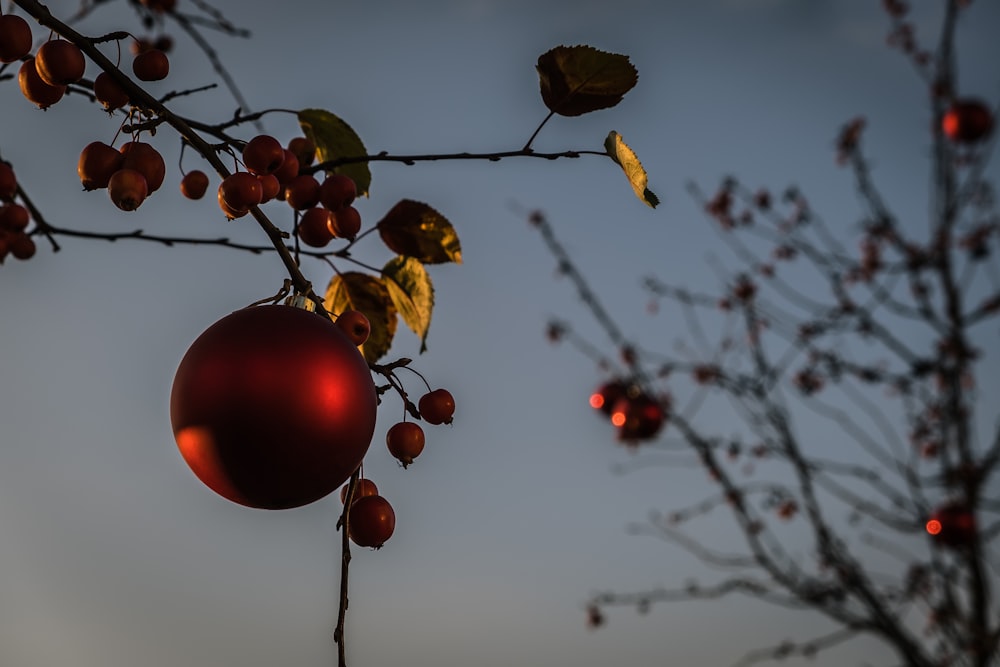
405	441
437	407
355	324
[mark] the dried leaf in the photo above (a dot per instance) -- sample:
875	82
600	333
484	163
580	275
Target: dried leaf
576	80
620	152
414	229
412	293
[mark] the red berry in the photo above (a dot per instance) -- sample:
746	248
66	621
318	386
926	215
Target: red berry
109	93
147	161
151	65
60	63
98	161
302	192
241	190
8	182
127	189
270	187
365	488
231	213
371	521
272	407
263	155
337	192
15	38
405	441
194	185
34	89
289	168
22	247
304	149
345	223
355	324
437	407
13	218
313	228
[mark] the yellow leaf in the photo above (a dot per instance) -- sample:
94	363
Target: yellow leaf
620	152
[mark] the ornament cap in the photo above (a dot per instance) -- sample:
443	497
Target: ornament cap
301	301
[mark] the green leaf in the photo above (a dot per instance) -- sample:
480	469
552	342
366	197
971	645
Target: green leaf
360	291
412	293
579	79
620	152
414	229
335	139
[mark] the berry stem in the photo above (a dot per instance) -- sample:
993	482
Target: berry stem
345	563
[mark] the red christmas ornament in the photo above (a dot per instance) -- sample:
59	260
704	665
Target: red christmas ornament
273	407
952	525
637	418
967	121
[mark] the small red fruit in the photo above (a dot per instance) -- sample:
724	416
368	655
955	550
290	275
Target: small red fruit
365	488
405	441
13	218
371	521
241	190
304	149
98	161
8	181
302	192
147	161
337	192
151	65
437	407
313	228
355	324
22	247
263	155
967	121
109	93
34	89
270	187
289	168
60	63
345	223
194	185
127	189
15	38
231	213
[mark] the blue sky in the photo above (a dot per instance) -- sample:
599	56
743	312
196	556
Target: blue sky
114	554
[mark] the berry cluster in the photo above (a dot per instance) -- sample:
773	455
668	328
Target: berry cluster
275	172
130	173
372	519
14	219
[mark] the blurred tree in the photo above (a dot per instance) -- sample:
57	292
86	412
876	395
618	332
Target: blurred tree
897	499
